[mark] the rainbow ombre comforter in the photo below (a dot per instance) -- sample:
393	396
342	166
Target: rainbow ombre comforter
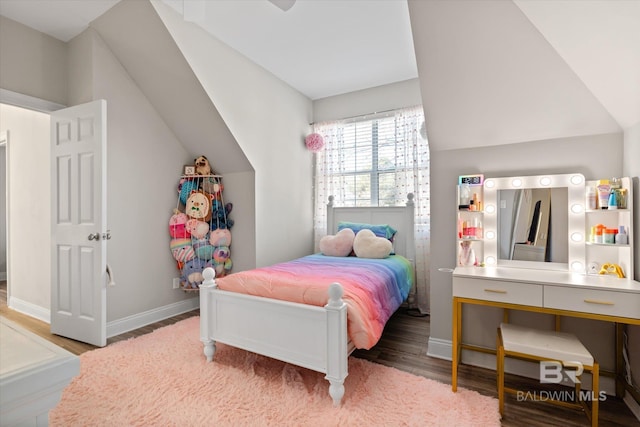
373	288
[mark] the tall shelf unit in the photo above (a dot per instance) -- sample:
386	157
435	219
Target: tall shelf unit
470	220
598	254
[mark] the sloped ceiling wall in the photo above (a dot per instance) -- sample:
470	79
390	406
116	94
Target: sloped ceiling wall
489	77
141	42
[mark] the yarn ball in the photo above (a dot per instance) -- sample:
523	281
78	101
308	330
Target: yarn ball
314	142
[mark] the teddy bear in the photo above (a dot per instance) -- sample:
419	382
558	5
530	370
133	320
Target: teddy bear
203	167
191	274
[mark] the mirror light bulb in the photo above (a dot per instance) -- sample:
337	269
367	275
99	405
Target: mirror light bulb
490	209
489	183
576	237
545	181
576	208
490	234
491	260
576	179
576	266
516	182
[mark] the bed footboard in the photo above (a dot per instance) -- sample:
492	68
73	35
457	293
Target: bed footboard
303	335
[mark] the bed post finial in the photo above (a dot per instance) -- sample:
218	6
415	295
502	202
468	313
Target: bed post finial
335	295
208	274
330	204
410	197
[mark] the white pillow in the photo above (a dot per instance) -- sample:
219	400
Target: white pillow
368	245
339	245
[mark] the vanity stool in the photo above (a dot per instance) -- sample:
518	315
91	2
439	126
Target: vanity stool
538	345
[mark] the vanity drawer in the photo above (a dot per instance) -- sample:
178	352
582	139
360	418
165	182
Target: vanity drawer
500	291
612	303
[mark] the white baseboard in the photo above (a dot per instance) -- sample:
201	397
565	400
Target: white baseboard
3	276
29	309
439	348
632	405
139	320
119	326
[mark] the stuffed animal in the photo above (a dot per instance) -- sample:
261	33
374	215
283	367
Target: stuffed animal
212	185
203	167
182	250
198	206
191	275
221	254
220	237
203	249
185	188
222	268
198	229
177	225
220	215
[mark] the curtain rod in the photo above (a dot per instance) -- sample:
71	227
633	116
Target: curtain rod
367	114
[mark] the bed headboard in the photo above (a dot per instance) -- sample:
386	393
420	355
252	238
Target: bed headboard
399	217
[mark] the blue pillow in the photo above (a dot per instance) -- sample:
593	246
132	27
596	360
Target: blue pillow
380	230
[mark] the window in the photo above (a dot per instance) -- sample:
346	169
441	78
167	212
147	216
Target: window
376	161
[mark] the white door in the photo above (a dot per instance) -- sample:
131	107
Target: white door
78	217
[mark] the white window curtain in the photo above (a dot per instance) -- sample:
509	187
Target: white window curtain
377	161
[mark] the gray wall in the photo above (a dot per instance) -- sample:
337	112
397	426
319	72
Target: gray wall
145	158
32	63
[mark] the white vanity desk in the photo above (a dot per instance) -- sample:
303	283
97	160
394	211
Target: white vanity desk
562	293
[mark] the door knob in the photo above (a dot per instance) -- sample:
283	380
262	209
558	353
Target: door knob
94	236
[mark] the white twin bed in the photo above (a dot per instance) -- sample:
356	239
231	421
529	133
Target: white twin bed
331	316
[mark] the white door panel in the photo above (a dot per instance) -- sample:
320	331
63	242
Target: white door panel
78	195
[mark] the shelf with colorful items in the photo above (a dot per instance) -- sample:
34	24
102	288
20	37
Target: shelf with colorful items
609	224
470	235
200	229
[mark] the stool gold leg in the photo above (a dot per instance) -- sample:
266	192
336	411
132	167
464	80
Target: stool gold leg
595	374
500	371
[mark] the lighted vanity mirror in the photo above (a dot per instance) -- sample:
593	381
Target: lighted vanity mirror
535	222
532	224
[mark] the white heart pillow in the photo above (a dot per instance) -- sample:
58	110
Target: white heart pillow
368	245
339	245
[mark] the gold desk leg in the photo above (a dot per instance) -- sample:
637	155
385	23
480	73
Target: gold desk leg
455	343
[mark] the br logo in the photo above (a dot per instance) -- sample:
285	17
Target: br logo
552	372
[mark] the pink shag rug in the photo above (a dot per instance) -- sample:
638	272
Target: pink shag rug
162	379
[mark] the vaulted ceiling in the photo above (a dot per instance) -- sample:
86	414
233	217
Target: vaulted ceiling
490	71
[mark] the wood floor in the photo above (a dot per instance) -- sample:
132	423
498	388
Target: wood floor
403	346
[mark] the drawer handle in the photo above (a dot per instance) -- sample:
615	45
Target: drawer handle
595	301
496	291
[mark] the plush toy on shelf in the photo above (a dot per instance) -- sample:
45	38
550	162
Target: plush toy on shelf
191	275
199	205
203	167
177	225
